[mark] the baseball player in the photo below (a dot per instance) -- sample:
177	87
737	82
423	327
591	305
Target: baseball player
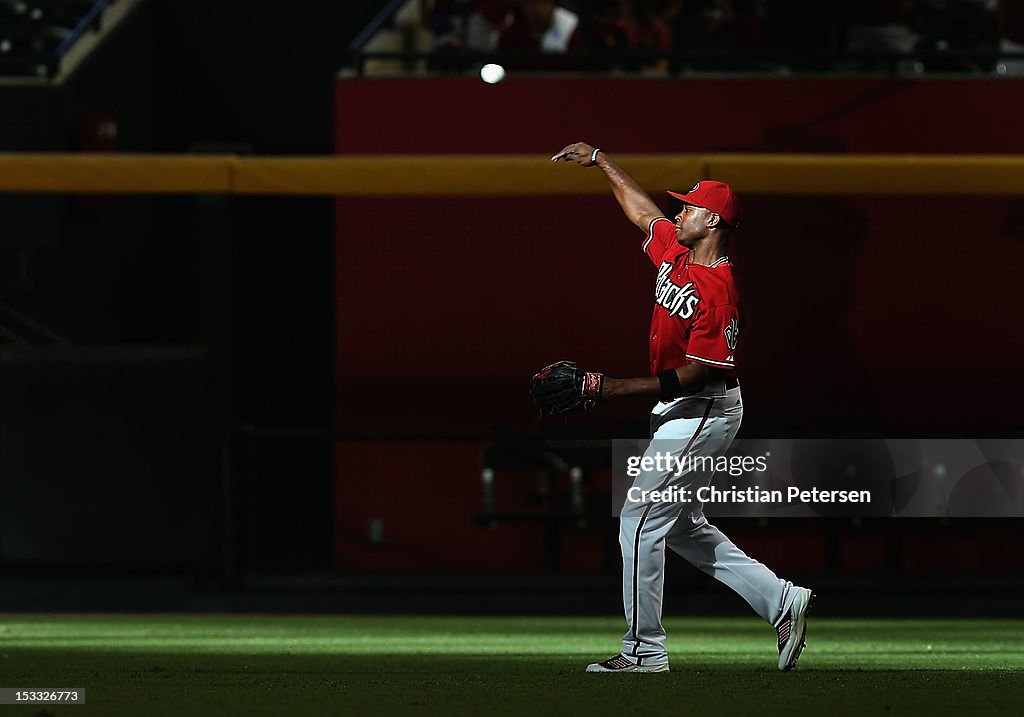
694	333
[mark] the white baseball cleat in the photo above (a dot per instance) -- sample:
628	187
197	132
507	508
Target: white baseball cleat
793	629
621	663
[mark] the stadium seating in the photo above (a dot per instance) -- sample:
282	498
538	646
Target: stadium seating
34	34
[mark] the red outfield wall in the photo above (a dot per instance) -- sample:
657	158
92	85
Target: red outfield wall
878	312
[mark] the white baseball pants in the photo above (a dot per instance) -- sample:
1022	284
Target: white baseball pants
700	425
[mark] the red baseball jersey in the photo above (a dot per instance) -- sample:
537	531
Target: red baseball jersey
696	307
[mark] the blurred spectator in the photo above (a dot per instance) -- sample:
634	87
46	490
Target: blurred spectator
966	29
690	22
1010	66
461	25
542	26
703	33
803	32
446	20
736	25
486	23
736	29
1011	37
877	26
636	25
717	26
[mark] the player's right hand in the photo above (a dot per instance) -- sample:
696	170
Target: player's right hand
579	152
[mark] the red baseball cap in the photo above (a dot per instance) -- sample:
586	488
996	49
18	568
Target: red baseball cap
717	197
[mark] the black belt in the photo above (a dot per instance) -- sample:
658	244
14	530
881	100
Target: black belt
731	383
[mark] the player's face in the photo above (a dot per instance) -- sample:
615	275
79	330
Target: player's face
691	224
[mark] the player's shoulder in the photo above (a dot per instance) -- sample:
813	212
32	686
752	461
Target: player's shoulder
660	242
662	227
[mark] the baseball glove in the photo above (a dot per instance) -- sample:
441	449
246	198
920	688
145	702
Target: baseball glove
563	387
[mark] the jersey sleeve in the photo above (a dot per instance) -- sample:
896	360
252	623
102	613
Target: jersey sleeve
661	234
714	336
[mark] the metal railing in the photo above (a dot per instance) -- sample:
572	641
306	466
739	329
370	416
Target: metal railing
379	20
47	63
782	62
91	18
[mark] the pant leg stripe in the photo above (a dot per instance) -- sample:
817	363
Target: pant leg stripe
640	527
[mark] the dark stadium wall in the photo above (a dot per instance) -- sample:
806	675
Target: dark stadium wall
177	76
52	264
522	115
253	72
257	76
105	443
862	312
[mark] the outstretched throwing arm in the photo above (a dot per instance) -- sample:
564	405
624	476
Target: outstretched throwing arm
637	205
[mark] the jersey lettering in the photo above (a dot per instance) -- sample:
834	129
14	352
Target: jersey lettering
732	333
677	300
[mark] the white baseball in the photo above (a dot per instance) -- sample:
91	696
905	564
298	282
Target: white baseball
492	74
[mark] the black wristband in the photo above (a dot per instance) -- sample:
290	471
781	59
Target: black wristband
670	387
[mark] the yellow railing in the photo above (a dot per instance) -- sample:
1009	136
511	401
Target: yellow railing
503	175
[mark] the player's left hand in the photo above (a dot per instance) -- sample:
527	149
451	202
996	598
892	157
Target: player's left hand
579	152
563	387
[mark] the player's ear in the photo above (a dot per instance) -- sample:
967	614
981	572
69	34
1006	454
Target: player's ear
713	220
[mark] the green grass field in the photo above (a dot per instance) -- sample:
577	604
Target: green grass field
301	665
